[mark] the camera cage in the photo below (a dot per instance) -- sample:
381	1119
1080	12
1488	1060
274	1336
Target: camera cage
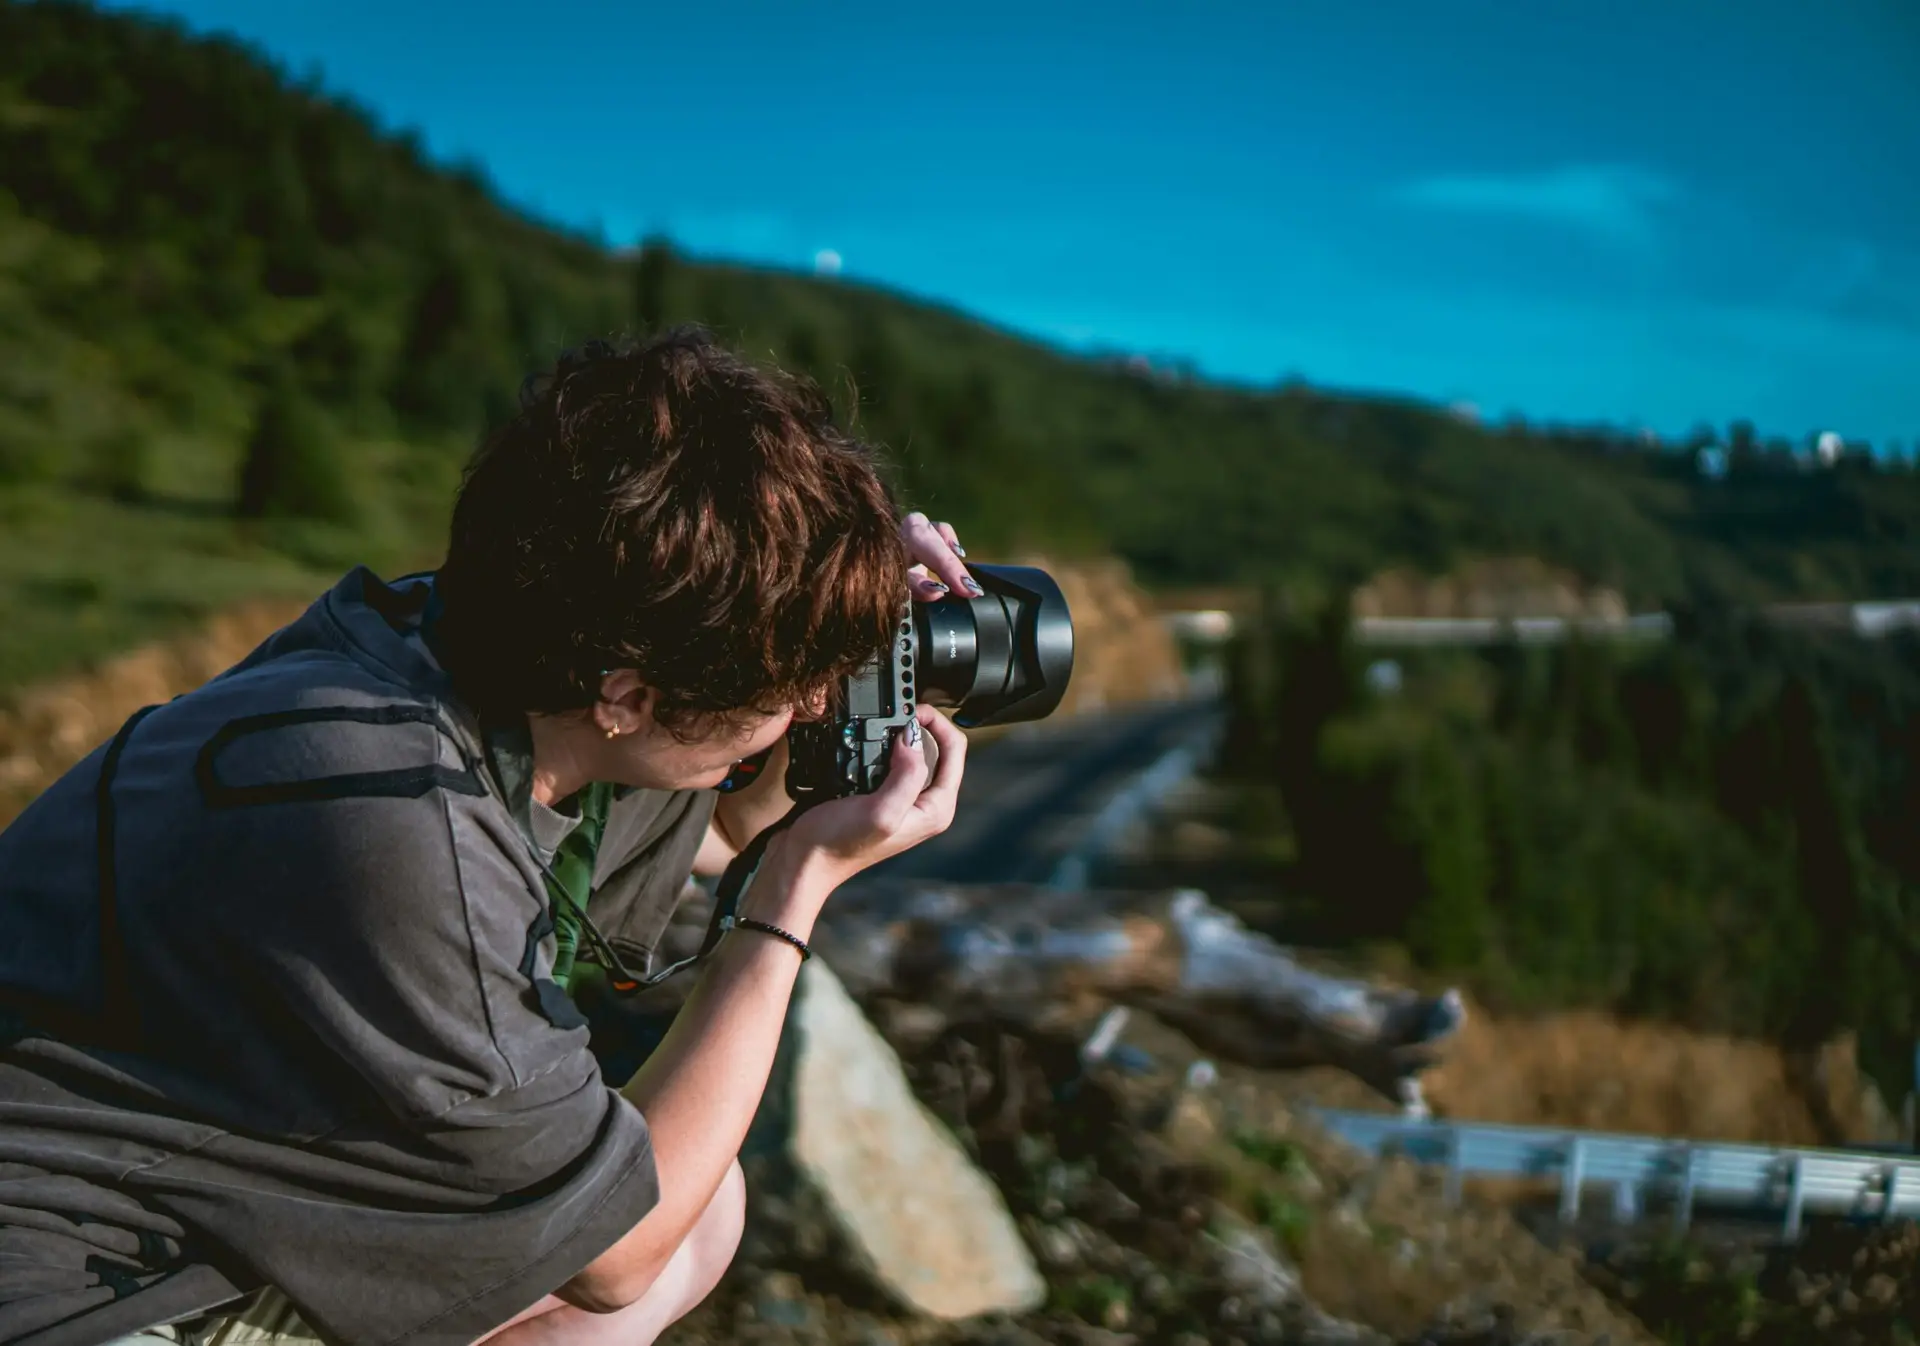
1002	658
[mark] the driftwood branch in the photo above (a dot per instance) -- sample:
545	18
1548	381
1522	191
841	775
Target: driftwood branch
1021	950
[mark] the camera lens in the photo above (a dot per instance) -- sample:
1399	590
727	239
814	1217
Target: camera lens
1001	658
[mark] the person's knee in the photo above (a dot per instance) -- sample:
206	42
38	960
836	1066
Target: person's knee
689	1276
705	1254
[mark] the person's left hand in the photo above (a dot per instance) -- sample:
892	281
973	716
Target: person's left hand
936	552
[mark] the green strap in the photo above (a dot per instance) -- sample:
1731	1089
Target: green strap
573	869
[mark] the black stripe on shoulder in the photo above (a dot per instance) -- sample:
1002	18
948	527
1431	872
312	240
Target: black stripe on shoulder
541	927
403	783
547	994
556	1004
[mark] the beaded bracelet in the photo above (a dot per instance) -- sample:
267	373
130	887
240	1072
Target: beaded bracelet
748	923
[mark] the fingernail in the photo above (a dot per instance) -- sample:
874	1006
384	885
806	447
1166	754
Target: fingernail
913	733
935	586
973	587
959	551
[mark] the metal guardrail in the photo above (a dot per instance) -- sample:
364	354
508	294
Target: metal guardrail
1791	1181
1496	630
1869	620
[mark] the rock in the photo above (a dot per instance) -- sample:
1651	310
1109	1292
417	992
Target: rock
1085	1334
859	1330
912	1025
1189	1124
782	1302
1320	1329
1304	1183
1106	1204
920	1218
1056	1245
1349	1217
1252	1267
1000	1333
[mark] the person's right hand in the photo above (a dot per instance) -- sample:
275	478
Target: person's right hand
832	842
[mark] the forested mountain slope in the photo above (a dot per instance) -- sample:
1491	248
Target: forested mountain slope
205	261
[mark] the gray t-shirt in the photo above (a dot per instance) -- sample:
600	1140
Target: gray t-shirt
294	1022
549	827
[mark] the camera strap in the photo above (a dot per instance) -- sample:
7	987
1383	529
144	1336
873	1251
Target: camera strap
726	912
726	898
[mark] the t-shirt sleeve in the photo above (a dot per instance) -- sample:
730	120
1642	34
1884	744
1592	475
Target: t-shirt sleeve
412	944
404	1134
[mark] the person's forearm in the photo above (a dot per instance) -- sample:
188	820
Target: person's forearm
700	1089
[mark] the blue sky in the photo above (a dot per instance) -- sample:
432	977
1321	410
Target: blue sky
1645	212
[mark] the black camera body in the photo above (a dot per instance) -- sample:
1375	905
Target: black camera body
1002	658
846	753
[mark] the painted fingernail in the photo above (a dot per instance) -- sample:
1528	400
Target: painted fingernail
913	733
935	587
973	587
958	550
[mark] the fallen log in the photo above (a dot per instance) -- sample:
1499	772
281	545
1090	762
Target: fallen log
1024	951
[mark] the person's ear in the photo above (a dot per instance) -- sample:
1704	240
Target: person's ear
625	705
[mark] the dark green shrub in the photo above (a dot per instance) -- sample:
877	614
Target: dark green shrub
293	468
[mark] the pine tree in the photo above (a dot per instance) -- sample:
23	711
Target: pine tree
1447	806
652	277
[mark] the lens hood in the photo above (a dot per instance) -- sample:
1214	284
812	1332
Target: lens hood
1002	658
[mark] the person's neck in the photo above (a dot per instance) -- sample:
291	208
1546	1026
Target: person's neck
559	772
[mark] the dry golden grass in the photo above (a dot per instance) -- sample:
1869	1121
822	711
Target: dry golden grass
1591	1070
1123	654
51	725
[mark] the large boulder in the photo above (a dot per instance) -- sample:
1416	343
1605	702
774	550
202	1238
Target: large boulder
912	1208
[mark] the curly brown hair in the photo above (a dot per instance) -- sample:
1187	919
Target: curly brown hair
671	508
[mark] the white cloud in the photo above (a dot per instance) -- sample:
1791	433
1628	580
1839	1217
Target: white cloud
1618	203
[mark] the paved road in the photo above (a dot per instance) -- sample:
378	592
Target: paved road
1029	795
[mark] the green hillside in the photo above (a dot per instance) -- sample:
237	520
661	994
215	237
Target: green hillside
247	337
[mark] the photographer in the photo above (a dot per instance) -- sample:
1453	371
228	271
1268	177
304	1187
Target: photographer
287	1049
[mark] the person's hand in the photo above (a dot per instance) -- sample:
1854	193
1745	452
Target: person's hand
832	842
936	552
